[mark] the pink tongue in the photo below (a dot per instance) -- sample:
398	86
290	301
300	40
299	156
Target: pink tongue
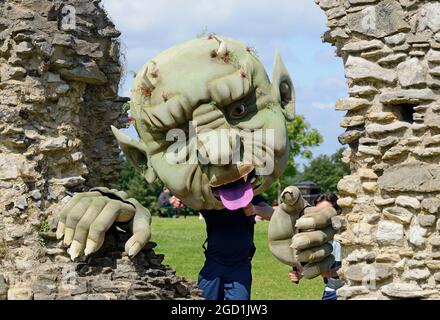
237	195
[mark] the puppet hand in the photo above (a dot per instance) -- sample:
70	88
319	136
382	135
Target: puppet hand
282	225
295	241
311	243
87	216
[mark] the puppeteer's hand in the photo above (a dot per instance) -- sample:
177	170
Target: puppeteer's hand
87	217
249	210
296	240
295	276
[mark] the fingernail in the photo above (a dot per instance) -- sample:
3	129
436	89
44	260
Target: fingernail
134	250
75	250
68	236
60	230
90	247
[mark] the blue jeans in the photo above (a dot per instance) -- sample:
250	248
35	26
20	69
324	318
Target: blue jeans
330	295
219	282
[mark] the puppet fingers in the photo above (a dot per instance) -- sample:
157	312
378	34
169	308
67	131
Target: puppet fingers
291	200
315	254
141	230
309	239
83	226
73	217
315	218
312	270
102	223
67	209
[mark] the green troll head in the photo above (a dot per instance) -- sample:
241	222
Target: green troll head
211	123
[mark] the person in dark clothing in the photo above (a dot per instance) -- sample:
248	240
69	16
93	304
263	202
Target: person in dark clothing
166	201
164	198
226	274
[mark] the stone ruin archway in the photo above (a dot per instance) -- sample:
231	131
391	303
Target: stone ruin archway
59	78
391	52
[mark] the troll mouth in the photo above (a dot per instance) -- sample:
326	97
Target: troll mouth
239	193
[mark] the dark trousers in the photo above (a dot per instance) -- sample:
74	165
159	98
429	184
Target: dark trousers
329	295
219	282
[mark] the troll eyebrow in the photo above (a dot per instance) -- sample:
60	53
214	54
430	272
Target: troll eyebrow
169	114
230	88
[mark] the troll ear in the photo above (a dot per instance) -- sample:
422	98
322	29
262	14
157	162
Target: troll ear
136	153
282	88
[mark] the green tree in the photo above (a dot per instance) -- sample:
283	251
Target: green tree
137	187
325	170
301	138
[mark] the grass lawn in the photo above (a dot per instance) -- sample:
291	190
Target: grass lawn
181	241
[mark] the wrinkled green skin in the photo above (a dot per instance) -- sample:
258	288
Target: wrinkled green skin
202	81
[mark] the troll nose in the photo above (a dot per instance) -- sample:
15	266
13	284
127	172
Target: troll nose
218	147
216	140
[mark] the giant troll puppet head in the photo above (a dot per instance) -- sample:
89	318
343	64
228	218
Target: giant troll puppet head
210	122
212	128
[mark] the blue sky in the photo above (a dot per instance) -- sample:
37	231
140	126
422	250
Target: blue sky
292	27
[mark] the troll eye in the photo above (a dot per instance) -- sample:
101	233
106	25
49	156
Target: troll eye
285	92
238	111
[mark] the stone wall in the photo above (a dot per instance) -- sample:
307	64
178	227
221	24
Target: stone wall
391	52
59	75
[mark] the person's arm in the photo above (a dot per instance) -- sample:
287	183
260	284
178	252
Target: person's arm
264	210
261	209
163	200
333	272
330	274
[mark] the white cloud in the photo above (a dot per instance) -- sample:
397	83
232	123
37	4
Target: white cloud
149	27
327	88
277	18
323	105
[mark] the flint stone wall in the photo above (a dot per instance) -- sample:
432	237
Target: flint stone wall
59	75
391	53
